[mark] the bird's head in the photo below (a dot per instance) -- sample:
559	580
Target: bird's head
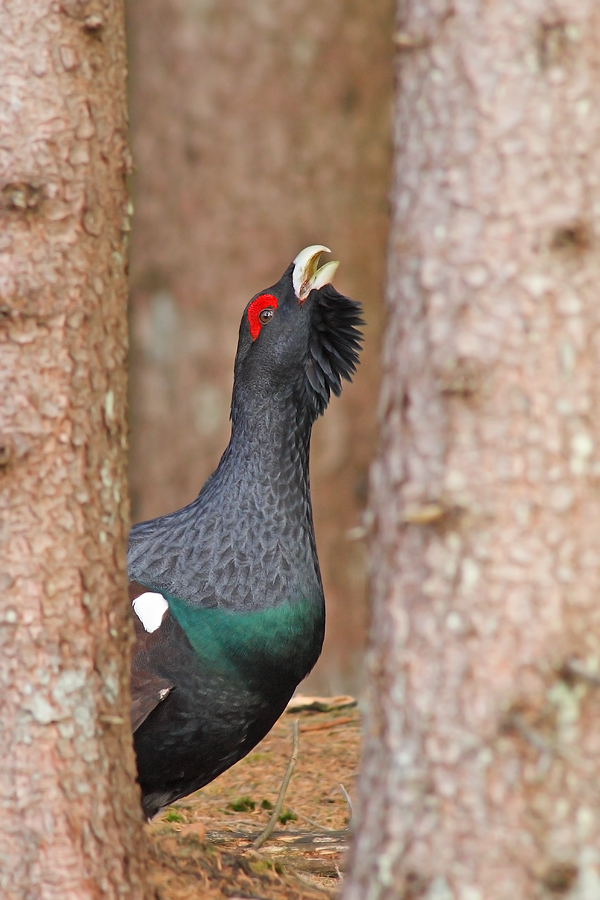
299	337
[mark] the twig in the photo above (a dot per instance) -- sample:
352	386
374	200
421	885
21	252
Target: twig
266	834
316	824
321	726
348	801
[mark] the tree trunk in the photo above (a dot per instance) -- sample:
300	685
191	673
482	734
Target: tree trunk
482	759
71	822
257	128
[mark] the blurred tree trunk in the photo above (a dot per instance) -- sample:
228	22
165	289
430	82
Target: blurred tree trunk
482	761
257	128
71	821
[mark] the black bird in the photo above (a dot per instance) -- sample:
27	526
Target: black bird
227	592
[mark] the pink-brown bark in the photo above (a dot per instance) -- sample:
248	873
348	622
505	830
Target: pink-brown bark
71	823
482	759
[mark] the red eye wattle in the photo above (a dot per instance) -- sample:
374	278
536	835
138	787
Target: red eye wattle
255	319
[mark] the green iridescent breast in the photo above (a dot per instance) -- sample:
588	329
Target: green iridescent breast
282	641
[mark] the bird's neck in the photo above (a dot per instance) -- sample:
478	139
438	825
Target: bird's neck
269	445
247	542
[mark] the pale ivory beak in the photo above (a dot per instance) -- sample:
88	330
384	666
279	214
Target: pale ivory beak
306	276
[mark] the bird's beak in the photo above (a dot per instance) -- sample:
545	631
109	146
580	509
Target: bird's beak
306	276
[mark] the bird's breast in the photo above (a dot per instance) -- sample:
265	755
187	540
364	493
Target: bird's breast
277	645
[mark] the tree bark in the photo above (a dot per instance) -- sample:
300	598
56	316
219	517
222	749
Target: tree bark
482	760
258	129
71	821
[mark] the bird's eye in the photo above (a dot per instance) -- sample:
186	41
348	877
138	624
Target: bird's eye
260	312
265	315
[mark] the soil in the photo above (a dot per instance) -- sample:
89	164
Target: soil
201	847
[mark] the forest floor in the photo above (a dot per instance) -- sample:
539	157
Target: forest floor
201	847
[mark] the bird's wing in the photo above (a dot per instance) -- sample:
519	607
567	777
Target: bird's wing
148	688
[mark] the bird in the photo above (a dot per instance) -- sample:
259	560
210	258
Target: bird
226	592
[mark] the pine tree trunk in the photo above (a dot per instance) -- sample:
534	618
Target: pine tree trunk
482	759
257	128
70	823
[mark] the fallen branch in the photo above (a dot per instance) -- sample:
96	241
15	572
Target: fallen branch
302	703
266	834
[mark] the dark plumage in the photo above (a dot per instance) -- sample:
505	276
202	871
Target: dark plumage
238	568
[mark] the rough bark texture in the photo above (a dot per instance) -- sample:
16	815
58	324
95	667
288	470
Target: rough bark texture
482	762
70	819
257	129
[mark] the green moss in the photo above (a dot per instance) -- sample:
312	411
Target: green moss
243	804
288	816
263	866
266	804
173	816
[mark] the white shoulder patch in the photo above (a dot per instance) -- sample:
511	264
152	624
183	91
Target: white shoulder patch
150	609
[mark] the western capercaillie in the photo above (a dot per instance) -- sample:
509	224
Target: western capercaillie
227	593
